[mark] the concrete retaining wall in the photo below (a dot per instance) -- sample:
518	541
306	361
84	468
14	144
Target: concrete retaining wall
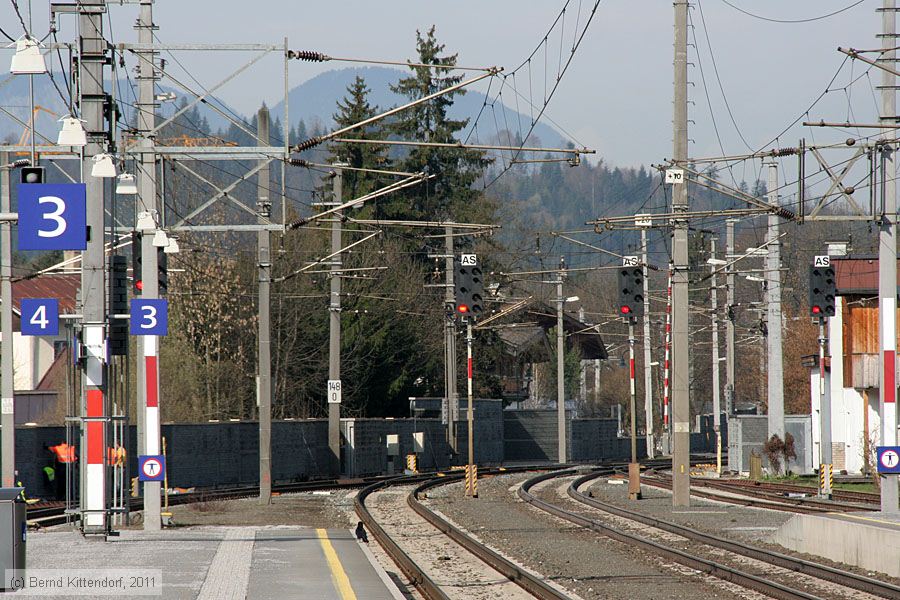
845	539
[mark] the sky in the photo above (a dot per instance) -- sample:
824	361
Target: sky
614	98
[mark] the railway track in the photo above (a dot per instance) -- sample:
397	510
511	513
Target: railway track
794	488
753	496
423	580
707	551
48	514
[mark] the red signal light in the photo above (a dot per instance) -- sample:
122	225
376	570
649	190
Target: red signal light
625	310
139	284
462	308
816	310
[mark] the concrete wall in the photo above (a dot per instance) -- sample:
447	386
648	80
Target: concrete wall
747	433
226	454
532	435
871	546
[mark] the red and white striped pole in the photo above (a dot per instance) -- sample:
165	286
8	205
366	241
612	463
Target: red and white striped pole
472	479
668	344
94	431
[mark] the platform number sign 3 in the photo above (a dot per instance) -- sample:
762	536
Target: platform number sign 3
52	216
40	316
149	317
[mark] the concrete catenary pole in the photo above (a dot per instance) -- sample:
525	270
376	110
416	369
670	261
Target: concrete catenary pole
775	370
147	367
681	408
648	376
452	396
729	323
887	259
7	415
93	57
717	406
334	328
560	365
264	333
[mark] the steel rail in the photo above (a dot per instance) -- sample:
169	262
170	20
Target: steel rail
845	495
528	582
757	498
799	565
724	572
417	576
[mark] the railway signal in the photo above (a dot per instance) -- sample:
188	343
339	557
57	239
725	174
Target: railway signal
822	291
631	291
136	263
469	288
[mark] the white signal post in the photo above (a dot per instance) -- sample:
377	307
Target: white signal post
471	484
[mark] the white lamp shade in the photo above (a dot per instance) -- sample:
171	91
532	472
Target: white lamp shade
28	59
160	239
103	166
172	248
72	133
126	185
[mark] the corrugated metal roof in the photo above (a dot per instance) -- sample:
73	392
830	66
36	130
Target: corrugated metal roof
63	287
856	276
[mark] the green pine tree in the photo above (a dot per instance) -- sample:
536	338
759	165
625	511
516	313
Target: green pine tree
456	169
352	109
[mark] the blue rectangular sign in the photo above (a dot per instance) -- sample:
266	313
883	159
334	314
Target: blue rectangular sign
149	317
40	316
52	216
151	467
888	459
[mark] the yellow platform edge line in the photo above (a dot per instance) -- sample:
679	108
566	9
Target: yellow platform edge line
338	575
872	519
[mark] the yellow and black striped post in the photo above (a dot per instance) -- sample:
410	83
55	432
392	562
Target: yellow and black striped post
412	463
472	480
826	480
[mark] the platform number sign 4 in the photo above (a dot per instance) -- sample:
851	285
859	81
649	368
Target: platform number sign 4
52	216
149	317
40	316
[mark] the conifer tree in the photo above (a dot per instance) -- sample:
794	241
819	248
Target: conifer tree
456	169
352	109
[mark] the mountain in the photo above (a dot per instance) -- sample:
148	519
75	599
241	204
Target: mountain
315	100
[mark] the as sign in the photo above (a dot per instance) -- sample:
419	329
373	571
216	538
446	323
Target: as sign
52	216
40	316
149	317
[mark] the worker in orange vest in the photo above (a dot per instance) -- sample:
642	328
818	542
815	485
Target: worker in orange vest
65	455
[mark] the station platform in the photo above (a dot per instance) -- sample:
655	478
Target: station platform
212	562
870	540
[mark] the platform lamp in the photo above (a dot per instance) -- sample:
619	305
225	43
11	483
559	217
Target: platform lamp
28	59
126	185
72	132
103	166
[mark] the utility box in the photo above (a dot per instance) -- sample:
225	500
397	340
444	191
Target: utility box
13	528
